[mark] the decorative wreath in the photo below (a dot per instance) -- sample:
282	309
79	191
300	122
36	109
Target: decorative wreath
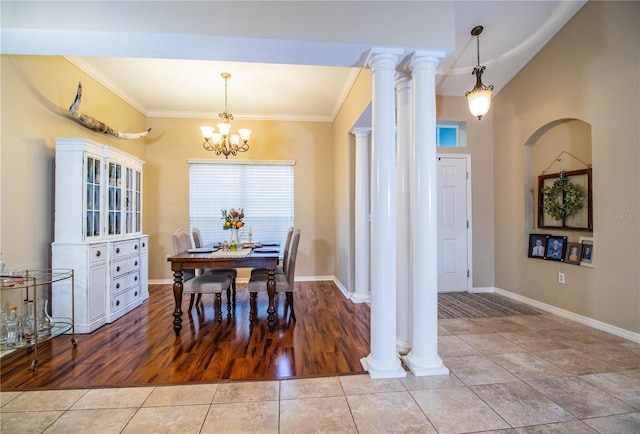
562	199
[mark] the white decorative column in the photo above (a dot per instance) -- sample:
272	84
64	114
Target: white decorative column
403	204
423	358
362	230
383	361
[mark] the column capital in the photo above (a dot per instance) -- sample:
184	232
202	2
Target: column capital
403	81
419	60
361	131
378	56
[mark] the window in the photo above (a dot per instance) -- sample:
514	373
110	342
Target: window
450	135
263	190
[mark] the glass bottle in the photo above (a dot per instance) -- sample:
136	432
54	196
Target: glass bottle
28	324
3	328
13	327
45	321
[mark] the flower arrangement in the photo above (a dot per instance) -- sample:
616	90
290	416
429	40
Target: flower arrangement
232	218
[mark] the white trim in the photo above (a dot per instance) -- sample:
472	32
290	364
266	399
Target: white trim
217	161
599	325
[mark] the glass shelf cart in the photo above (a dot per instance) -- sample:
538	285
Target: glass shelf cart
26	287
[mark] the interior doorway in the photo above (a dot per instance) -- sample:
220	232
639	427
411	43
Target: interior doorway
454	222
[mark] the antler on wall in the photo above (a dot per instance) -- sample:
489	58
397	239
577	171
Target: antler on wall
96	125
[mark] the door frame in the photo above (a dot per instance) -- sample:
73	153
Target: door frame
467	158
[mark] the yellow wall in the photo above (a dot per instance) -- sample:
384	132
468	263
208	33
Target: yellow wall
36	94
588	71
166	184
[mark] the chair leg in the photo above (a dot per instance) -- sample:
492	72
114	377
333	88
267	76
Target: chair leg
218	306
290	302
199	298
252	306
233	286
191	301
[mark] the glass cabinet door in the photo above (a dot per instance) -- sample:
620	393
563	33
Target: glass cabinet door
114	199
92	212
138	200
128	200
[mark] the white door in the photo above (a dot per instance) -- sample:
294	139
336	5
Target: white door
453	224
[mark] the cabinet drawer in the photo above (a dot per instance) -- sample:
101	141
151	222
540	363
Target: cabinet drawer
125	282
124	299
124	248
125	266
144	245
97	252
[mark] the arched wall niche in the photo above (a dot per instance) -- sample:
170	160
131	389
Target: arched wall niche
562	144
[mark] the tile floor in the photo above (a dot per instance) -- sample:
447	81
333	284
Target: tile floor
523	374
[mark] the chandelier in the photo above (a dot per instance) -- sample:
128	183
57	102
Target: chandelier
479	98
222	142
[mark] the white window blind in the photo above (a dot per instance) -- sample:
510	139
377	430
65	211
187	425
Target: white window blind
263	189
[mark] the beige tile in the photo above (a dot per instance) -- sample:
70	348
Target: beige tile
105	421
580	398
533	341
316	415
247	391
355	384
462	326
491	343
32	422
457	410
242	417
534	322
632	373
443	331
572	338
113	398
6	397
474	370
45	400
411	382
574	361
449	346
623	423
520	404
527	366
181	395
310	388
388	412
572	427
159	420
616	356
498	324
619	384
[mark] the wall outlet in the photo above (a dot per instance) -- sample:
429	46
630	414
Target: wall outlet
561	278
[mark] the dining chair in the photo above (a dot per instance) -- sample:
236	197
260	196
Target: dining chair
201	284
231	273
280	269
284	282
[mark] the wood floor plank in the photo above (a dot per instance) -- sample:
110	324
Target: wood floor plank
330	337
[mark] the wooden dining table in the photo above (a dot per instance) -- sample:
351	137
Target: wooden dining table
189	261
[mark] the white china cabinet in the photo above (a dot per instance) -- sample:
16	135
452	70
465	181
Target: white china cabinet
98	232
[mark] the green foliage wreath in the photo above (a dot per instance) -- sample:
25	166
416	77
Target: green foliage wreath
562	199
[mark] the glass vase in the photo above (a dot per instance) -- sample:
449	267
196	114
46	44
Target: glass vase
235	240
45	322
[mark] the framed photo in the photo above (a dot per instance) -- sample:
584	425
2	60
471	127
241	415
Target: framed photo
537	245
587	251
556	248
562	197
574	253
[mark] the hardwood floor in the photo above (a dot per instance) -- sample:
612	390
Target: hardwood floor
330	337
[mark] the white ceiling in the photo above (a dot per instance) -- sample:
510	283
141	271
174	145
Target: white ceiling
514	31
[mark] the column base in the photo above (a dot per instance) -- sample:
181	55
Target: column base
360	298
423	368
377	370
403	347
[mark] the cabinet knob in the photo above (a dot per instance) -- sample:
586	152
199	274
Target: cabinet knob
135	279
135	293
117	249
98	253
135	247
118	268
117	302
144	244
117	286
136	263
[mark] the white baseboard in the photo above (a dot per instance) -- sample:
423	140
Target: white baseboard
599	325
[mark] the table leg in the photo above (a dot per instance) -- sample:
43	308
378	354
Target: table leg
271	290
177	296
